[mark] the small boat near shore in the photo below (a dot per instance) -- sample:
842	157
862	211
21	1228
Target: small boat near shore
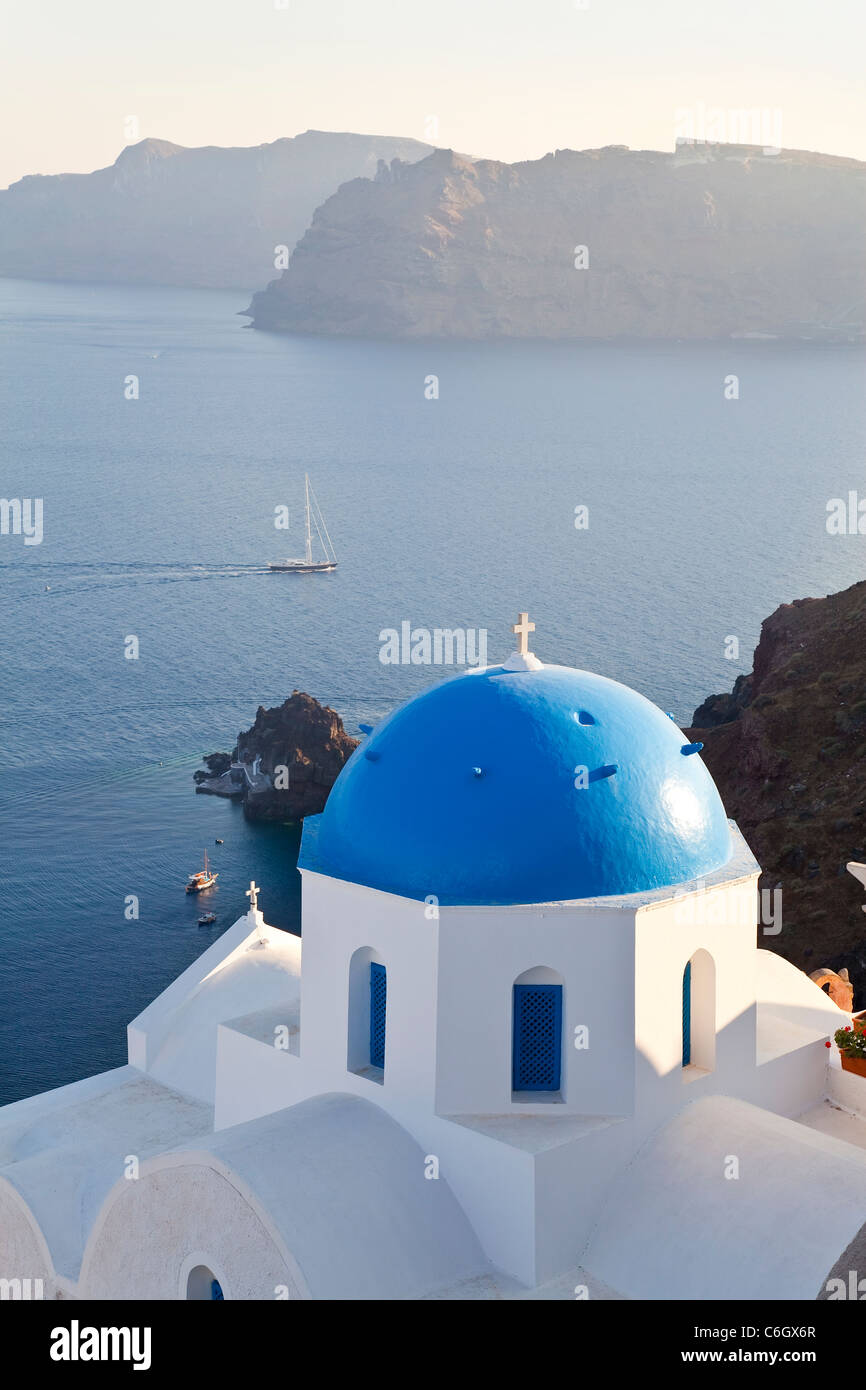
308	565
206	919
205	878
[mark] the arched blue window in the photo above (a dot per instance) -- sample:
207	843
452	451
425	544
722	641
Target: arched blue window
699	1016
216	1291
687	1015
378	992
536	1063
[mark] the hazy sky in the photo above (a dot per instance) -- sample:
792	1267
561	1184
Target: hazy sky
505	79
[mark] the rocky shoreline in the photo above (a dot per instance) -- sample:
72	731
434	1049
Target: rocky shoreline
283	767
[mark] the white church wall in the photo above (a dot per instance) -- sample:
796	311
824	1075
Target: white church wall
494	1183
572	1181
341	919
793	1009
715	928
253	1078
790	1084
250	967
482	953
795	1021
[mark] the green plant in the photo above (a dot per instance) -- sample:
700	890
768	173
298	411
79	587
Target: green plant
851	1042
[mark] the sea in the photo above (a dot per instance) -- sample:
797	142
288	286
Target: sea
648	505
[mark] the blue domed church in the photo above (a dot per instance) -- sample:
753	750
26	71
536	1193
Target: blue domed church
528	1046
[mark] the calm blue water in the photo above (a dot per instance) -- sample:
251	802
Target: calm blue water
704	515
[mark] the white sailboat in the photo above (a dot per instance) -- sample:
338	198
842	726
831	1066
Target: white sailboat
308	565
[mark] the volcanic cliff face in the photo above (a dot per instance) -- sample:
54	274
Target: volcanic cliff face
790	763
708	242
163	214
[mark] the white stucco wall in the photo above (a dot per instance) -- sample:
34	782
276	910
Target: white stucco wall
482	952
339	918
720	921
251	966
180	1213
679	1225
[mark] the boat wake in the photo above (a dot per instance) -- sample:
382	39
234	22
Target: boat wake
88	786
32	580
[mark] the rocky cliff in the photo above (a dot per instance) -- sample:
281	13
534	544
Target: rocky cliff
301	747
711	241
789	758
163	214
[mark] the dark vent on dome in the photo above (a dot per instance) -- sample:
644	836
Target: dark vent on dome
599	774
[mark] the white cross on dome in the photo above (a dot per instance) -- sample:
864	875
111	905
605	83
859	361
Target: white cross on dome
522	659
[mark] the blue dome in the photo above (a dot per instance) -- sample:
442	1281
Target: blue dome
467	792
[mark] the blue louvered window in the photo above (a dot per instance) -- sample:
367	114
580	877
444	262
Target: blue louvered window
378	991
537	1047
687	1015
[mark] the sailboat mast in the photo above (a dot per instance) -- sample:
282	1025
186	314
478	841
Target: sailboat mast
309	537
327	543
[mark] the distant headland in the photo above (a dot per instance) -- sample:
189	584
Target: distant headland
710	241
163	214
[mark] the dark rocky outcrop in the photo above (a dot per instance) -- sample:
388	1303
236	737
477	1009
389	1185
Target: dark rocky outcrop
721	709
708	242
163	214
790	763
293	753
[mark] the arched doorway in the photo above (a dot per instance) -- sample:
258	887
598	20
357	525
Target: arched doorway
202	1286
